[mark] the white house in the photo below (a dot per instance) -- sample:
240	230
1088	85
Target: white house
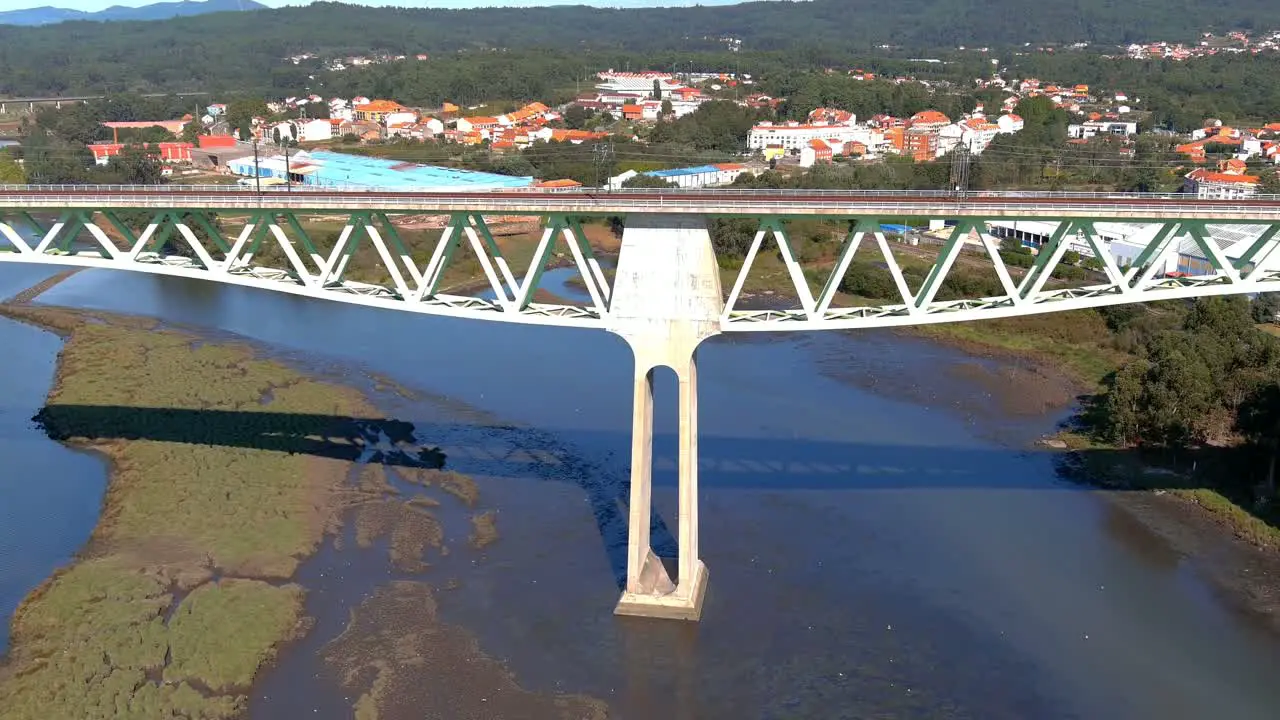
1010	123
949	136
400	118
1093	128
680	108
1206	184
301	130
313	130
978	135
432	125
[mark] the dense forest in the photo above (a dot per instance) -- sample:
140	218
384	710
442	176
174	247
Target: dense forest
1204	382
246	50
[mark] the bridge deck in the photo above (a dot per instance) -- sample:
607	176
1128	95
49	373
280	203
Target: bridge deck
720	202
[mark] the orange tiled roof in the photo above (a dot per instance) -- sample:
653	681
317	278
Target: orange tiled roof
1202	175
930	117
565	183
380	106
563	135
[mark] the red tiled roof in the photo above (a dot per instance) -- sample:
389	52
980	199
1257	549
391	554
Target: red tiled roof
1202	175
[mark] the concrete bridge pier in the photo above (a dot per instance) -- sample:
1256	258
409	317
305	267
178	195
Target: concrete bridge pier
666	300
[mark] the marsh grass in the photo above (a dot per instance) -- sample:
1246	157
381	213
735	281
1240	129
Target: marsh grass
138	627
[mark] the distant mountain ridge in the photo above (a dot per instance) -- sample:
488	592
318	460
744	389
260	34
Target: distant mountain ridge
158	11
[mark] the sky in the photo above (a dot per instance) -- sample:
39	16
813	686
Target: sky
95	5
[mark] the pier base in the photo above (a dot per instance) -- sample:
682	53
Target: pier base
666	300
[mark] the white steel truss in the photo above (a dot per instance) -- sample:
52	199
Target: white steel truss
191	243
1146	279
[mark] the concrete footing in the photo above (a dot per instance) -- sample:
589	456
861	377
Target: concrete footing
683	603
666	300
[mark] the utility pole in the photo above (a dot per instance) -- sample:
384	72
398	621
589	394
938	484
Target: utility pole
603	155
257	174
960	159
288	177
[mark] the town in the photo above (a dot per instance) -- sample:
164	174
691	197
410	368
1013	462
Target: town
307	134
580	361
314	141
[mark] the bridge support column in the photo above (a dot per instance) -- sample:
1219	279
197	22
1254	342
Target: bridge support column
666	300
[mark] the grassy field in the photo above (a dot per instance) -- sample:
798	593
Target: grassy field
175	605
227	471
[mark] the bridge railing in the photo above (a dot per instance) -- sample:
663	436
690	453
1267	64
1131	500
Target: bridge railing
751	201
624	192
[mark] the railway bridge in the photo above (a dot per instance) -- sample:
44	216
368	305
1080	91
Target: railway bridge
665	295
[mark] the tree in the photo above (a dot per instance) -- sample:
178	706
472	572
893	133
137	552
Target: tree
1178	393
576	117
1013	246
48	160
11	173
191	132
1123	404
1265	307
135	166
1259	421
1269	182
657	89
240	114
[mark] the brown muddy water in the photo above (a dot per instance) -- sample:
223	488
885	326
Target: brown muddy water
881	541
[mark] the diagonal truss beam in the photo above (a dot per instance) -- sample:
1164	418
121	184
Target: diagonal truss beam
858	232
772	227
11	234
938	273
570	230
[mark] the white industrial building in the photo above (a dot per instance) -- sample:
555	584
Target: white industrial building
690	177
793	137
637	82
1125	241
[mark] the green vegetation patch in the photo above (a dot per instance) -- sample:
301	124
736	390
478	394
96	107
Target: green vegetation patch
192	494
89	644
202	649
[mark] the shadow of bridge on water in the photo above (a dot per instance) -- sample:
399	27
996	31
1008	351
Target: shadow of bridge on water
753	464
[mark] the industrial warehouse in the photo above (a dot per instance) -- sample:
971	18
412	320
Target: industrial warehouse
329	169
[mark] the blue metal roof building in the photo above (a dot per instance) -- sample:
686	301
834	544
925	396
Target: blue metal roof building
330	169
677	172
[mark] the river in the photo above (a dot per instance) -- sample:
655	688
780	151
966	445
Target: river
877	548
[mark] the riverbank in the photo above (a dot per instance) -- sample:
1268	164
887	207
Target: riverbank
226	472
976	574
1056	363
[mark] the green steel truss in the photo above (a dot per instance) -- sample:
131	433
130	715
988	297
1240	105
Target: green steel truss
479	265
